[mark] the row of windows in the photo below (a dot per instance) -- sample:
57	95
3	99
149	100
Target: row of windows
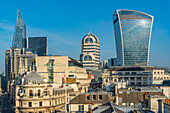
161	78
88	62
45	93
92	45
94	97
58	101
158	73
127	73
81	108
92	48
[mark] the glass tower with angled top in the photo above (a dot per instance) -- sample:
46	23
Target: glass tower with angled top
132	31
20	33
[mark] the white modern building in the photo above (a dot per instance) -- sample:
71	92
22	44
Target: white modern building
90	56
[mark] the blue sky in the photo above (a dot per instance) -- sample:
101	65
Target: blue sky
66	22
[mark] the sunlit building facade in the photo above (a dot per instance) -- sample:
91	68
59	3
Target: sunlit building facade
90	56
20	33
132	34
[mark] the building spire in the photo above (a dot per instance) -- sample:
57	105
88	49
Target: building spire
19	39
90	33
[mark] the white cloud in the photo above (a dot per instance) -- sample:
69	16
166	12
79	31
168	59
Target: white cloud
7	26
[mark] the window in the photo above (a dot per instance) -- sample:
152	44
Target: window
87	58
89	107
88	97
138	78
158	73
30	104
127	73
30	93
120	100
20	104
132	78
59	101
100	97
154	72
45	93
39	92
40	103
89	40
133	73
71	76
161	73
119	73
132	83
81	107
94	97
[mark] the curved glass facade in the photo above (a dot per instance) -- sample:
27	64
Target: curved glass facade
132	35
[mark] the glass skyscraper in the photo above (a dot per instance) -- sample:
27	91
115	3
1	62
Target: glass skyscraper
38	45
20	33
132	36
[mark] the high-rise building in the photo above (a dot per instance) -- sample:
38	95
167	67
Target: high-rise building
38	45
105	64
7	67
112	62
132	34
90	56
20	33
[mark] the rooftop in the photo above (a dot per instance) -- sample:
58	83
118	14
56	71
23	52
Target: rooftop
138	68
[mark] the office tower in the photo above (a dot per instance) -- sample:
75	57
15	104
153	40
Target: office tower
112	62
38	45
7	67
20	33
90	56
132	34
105	64
14	62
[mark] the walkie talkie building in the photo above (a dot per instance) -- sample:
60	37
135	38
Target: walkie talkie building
132	36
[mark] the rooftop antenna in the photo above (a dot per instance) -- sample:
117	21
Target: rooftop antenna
90	33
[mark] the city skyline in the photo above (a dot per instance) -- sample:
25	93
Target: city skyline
70	35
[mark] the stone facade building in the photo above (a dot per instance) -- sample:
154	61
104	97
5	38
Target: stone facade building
29	93
140	75
86	101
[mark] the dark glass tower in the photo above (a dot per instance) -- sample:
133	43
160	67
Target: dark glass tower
132	35
20	33
38	45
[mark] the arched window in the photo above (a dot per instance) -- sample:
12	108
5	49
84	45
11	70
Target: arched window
39	92
87	58
89	40
30	93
